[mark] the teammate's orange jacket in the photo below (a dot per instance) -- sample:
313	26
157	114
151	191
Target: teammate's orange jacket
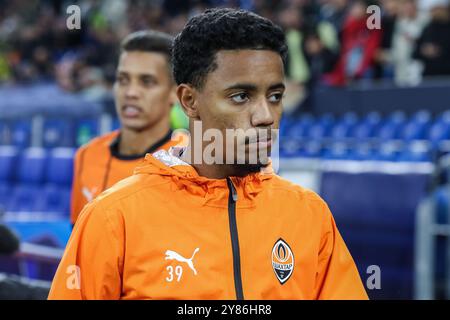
98	165
168	233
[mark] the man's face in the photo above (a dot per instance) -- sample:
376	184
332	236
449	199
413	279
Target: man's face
143	90
244	92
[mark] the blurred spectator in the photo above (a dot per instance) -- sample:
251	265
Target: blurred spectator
93	85
13	287
408	29
291	19
36	46
9	243
312	51
312	46
359	46
320	57
382	68
335	12
433	47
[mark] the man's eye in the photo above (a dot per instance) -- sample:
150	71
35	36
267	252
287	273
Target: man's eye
148	81
122	80
239	98
276	97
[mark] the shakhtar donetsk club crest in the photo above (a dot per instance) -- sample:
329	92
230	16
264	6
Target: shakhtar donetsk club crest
282	261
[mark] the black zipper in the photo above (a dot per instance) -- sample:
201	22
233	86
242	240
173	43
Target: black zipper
232	198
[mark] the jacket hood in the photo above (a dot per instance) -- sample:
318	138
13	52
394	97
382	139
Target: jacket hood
213	192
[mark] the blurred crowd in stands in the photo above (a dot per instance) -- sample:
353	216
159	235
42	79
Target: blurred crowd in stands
329	41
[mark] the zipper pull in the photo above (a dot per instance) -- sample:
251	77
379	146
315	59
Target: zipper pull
232	189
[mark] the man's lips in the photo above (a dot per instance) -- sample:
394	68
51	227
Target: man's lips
130	111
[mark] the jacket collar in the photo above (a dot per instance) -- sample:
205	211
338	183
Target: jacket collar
212	192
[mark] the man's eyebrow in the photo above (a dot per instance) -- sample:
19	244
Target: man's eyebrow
242	86
140	75
251	87
280	85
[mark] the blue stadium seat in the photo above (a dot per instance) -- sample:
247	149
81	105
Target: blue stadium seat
326	119
301	127
386	152
397	117
59	169
367	127
312	149
390	130
24	198
411	156
54	199
336	152
21	133
364	130
306	119
285	125
58	133
444	117
319	131
422	116
415	130
342	130
373	118
8	159
438	132
32	166
415	152
361	153
349	118
290	148
4	195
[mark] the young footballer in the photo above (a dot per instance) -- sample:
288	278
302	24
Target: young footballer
193	223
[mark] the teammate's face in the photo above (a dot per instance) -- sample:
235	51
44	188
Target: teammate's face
143	90
244	92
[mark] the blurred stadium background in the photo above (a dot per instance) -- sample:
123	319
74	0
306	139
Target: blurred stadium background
367	122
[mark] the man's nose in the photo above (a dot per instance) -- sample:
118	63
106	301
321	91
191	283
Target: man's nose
262	115
132	91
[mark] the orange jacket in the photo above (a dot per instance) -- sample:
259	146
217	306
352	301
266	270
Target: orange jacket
168	233
98	166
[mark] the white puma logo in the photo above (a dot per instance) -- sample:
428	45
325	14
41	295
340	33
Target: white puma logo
172	255
89	194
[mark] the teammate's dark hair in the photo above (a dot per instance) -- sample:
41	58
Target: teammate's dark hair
195	47
9	243
148	41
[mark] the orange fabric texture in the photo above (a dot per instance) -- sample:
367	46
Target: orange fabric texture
96	169
165	233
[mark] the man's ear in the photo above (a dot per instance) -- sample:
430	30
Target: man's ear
187	97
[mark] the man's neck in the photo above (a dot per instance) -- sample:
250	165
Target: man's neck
134	142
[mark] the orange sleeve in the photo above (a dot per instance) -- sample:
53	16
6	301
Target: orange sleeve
92	264
338	277
77	201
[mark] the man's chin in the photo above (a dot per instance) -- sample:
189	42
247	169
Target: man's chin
134	125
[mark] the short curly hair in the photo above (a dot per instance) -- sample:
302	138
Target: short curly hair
195	47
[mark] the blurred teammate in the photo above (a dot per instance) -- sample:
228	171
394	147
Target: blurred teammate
13	287
187	229
144	93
